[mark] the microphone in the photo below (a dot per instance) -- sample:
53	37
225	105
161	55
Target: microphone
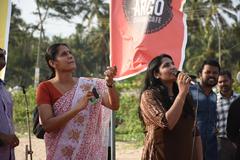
176	73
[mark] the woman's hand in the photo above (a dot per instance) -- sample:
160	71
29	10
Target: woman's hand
53	123
175	111
111	98
109	74
83	102
184	82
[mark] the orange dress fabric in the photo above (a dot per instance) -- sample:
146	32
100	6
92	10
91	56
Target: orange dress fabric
161	143
47	93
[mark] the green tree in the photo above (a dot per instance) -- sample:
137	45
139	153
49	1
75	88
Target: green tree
21	51
95	13
208	22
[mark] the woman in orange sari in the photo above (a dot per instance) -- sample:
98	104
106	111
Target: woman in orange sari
76	124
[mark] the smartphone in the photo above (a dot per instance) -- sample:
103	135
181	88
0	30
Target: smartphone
96	96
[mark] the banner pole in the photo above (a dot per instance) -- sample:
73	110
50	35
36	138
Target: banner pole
113	149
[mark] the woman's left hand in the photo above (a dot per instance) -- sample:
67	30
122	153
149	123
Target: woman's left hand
109	74
111	99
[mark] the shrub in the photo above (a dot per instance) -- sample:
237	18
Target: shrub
20	106
129	127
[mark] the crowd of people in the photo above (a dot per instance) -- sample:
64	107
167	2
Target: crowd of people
189	121
182	120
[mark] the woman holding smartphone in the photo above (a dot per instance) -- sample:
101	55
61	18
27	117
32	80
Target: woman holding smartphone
75	124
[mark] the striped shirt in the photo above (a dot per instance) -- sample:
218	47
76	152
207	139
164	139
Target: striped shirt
223	105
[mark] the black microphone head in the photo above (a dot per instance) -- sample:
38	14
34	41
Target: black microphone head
175	72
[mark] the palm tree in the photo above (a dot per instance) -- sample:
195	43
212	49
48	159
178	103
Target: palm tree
93	12
98	11
206	22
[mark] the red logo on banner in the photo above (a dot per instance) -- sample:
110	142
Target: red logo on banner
142	30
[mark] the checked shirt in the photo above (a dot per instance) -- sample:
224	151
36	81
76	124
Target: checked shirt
223	105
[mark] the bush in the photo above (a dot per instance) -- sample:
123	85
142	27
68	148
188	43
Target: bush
20	107
130	83
129	127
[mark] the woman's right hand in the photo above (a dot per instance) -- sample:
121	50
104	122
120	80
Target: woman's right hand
184	82
83	102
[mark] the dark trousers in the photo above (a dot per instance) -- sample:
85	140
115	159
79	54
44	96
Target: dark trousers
226	150
209	147
238	153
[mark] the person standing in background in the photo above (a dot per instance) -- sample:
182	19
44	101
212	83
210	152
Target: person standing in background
225	97
8	139
206	102
233	125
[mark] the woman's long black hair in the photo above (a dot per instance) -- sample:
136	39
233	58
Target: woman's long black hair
151	82
51	54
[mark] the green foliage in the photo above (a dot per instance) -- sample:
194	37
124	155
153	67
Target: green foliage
236	87
90	43
131	83
129	127
20	60
210	34
20	109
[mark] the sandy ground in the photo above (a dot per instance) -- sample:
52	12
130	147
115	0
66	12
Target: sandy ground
124	151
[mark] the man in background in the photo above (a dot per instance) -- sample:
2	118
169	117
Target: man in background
206	102
233	125
8	139
225	97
